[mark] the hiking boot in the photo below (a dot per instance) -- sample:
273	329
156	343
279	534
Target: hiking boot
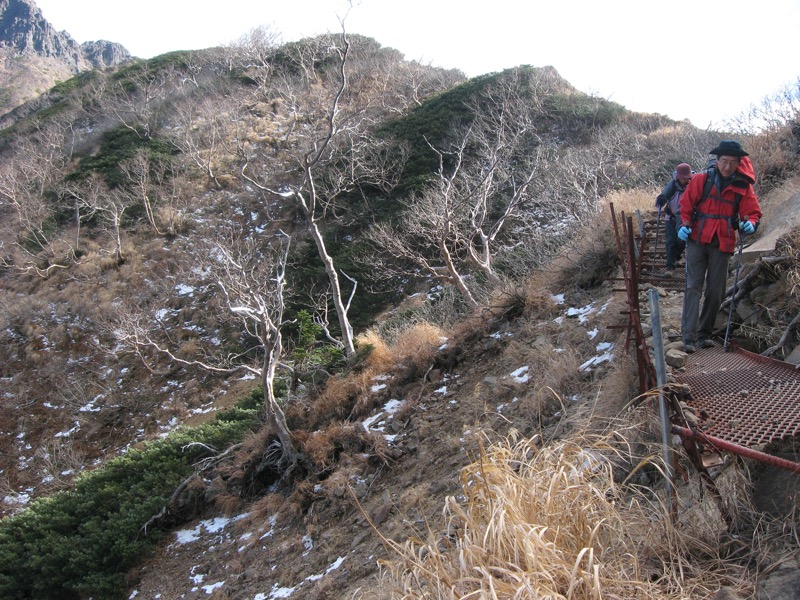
706	343
689	348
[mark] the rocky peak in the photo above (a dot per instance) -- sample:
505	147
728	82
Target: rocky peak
25	31
102	54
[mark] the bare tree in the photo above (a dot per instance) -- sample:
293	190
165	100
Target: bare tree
203	133
483	181
94	199
158	185
30	174
254	53
251	281
329	141
138	100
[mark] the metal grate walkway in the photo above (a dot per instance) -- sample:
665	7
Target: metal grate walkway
741	397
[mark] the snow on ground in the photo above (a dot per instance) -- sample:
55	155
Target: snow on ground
213	533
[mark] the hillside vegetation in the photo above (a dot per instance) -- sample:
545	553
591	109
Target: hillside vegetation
221	271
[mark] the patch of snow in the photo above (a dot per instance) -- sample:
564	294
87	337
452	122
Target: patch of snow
596	360
442	390
392	406
581	313
377	388
209	589
308	544
184	290
498	335
185	536
593	333
276	592
369	421
558	298
90	407
197	579
521	375
272	520
20	498
69	431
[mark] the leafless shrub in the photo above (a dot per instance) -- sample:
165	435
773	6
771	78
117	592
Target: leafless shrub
61	462
173	220
323	445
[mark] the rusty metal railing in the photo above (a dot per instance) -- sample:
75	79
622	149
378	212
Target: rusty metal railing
740	402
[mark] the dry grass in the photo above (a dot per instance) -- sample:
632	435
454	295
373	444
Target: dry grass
629	201
551	523
417	345
353	395
380	357
774	156
593	254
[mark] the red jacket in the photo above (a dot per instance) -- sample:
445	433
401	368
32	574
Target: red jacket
712	216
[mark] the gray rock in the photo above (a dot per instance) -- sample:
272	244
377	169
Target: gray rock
781	584
24	29
676	358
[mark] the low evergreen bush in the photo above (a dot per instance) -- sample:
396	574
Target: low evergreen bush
80	543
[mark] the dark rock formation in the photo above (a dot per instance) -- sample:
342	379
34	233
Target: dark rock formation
25	31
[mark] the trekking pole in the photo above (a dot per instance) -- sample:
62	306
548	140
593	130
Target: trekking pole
658	229
732	306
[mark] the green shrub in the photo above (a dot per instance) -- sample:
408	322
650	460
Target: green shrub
116	146
81	542
74	83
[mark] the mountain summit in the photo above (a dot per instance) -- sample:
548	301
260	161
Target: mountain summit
35	56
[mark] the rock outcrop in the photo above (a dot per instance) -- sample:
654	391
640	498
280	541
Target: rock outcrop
34	56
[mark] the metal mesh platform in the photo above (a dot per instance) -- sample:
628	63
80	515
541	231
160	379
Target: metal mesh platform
742	397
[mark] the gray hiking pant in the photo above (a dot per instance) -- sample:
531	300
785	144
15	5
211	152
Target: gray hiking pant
704	264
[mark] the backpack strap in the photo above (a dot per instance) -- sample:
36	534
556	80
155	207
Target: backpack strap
711	174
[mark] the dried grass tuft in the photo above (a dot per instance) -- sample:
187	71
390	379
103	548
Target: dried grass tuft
418	344
380	357
325	446
552	523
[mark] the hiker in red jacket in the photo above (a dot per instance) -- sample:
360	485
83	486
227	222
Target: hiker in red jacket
714	206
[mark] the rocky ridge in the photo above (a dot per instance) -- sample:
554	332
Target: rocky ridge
35	56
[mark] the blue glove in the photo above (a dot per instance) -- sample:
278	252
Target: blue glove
684	233
747	227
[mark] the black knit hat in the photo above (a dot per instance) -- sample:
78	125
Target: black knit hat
729	148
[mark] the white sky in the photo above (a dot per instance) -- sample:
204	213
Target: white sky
705	61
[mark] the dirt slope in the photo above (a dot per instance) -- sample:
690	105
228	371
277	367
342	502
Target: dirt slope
487	392
494	378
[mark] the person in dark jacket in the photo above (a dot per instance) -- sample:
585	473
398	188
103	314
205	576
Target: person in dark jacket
710	218
669	199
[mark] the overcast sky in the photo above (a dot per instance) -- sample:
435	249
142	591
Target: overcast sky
703	61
